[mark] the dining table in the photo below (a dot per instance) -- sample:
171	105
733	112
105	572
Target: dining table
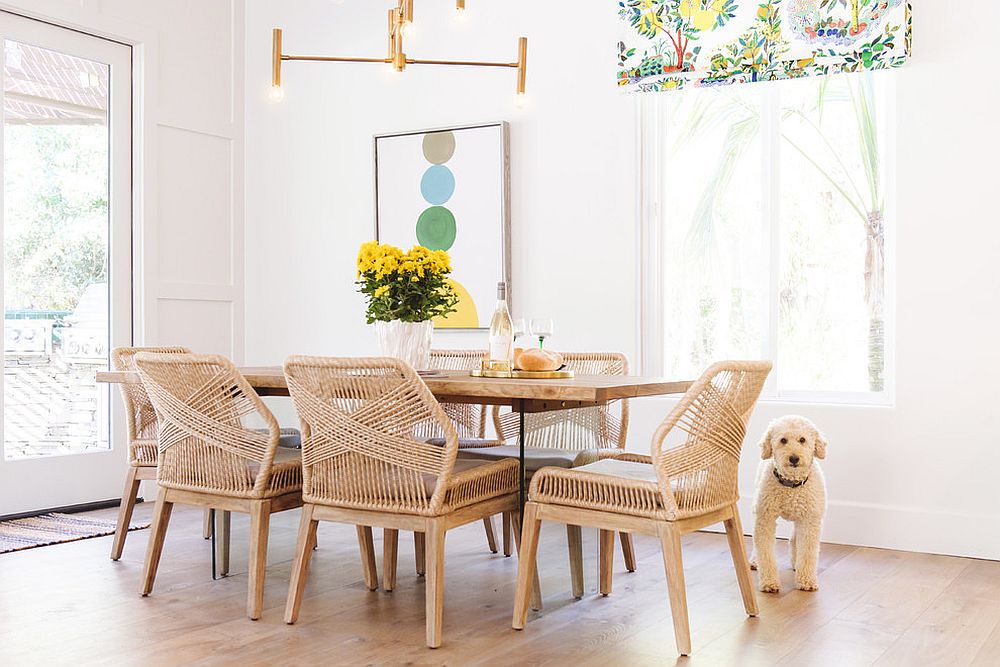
523	396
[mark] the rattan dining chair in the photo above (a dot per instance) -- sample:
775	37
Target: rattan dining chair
684	485
470	423
364	464
140	423
568	438
469	418
209	456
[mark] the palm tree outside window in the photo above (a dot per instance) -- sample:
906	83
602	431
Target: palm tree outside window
772	210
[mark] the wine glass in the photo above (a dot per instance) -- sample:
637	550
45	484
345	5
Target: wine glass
543	328
520	328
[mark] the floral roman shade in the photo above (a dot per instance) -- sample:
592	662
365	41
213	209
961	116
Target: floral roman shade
673	44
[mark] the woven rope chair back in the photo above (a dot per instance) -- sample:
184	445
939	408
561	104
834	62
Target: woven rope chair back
361	447
469	418
601	427
696	450
140	418
204	444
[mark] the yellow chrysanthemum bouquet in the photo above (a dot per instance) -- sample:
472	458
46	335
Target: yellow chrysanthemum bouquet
407	286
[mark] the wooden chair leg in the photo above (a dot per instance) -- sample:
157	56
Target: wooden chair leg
367	546
300	569
223	531
260	519
670	542
506	534
607	555
491	536
161	517
434	591
628	548
419	553
536	589
574	537
527	570
207	524
734	533
390	547
129	494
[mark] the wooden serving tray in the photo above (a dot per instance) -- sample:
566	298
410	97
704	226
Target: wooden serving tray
523	375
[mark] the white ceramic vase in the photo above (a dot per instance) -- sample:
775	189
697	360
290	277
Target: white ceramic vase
409	341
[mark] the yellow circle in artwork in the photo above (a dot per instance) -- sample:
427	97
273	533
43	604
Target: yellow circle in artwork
466	317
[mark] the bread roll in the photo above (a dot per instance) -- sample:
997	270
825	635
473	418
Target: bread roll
534	359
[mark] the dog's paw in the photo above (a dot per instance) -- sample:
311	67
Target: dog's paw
753	564
806	584
770	587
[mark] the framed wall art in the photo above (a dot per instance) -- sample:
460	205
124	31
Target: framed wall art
449	189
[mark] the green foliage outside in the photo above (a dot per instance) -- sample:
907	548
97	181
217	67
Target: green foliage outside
56	214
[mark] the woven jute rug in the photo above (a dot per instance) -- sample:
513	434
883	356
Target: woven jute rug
46	529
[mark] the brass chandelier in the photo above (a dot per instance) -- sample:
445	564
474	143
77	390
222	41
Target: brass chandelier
400	18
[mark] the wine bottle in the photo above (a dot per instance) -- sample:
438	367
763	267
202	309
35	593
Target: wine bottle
501	334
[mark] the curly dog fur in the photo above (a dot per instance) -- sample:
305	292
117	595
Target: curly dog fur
790	485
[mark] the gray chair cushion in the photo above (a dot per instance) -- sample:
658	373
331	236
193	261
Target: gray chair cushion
639	472
535	458
290	437
287	437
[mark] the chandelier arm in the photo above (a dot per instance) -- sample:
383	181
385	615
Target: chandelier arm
397	18
462	63
336	59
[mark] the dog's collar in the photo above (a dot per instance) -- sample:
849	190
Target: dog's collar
790	483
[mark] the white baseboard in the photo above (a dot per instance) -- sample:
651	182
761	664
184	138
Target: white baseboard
901	528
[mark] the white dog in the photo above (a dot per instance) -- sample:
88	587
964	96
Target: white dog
790	485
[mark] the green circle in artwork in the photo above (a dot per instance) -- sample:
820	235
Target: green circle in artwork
436	228
439	147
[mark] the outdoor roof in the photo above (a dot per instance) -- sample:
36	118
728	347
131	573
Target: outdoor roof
42	86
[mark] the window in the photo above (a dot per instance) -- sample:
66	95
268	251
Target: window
766	233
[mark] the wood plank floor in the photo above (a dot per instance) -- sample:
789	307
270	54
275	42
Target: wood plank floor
70	604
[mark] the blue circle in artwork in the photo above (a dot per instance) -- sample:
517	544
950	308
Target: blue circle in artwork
438	184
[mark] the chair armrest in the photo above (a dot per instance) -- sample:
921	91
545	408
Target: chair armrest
632	457
507	425
477	443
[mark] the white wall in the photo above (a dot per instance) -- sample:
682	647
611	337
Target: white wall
919	475
309	164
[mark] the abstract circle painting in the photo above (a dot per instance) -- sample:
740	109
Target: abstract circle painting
439	147
436	228
465	316
438	184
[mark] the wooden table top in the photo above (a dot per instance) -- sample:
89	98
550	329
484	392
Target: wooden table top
460	387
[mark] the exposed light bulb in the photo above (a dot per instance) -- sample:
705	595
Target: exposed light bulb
408	29
276	94
520	100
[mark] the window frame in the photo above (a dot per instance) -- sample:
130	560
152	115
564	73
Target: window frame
651	157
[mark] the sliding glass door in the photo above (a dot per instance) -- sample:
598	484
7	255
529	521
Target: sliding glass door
66	278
